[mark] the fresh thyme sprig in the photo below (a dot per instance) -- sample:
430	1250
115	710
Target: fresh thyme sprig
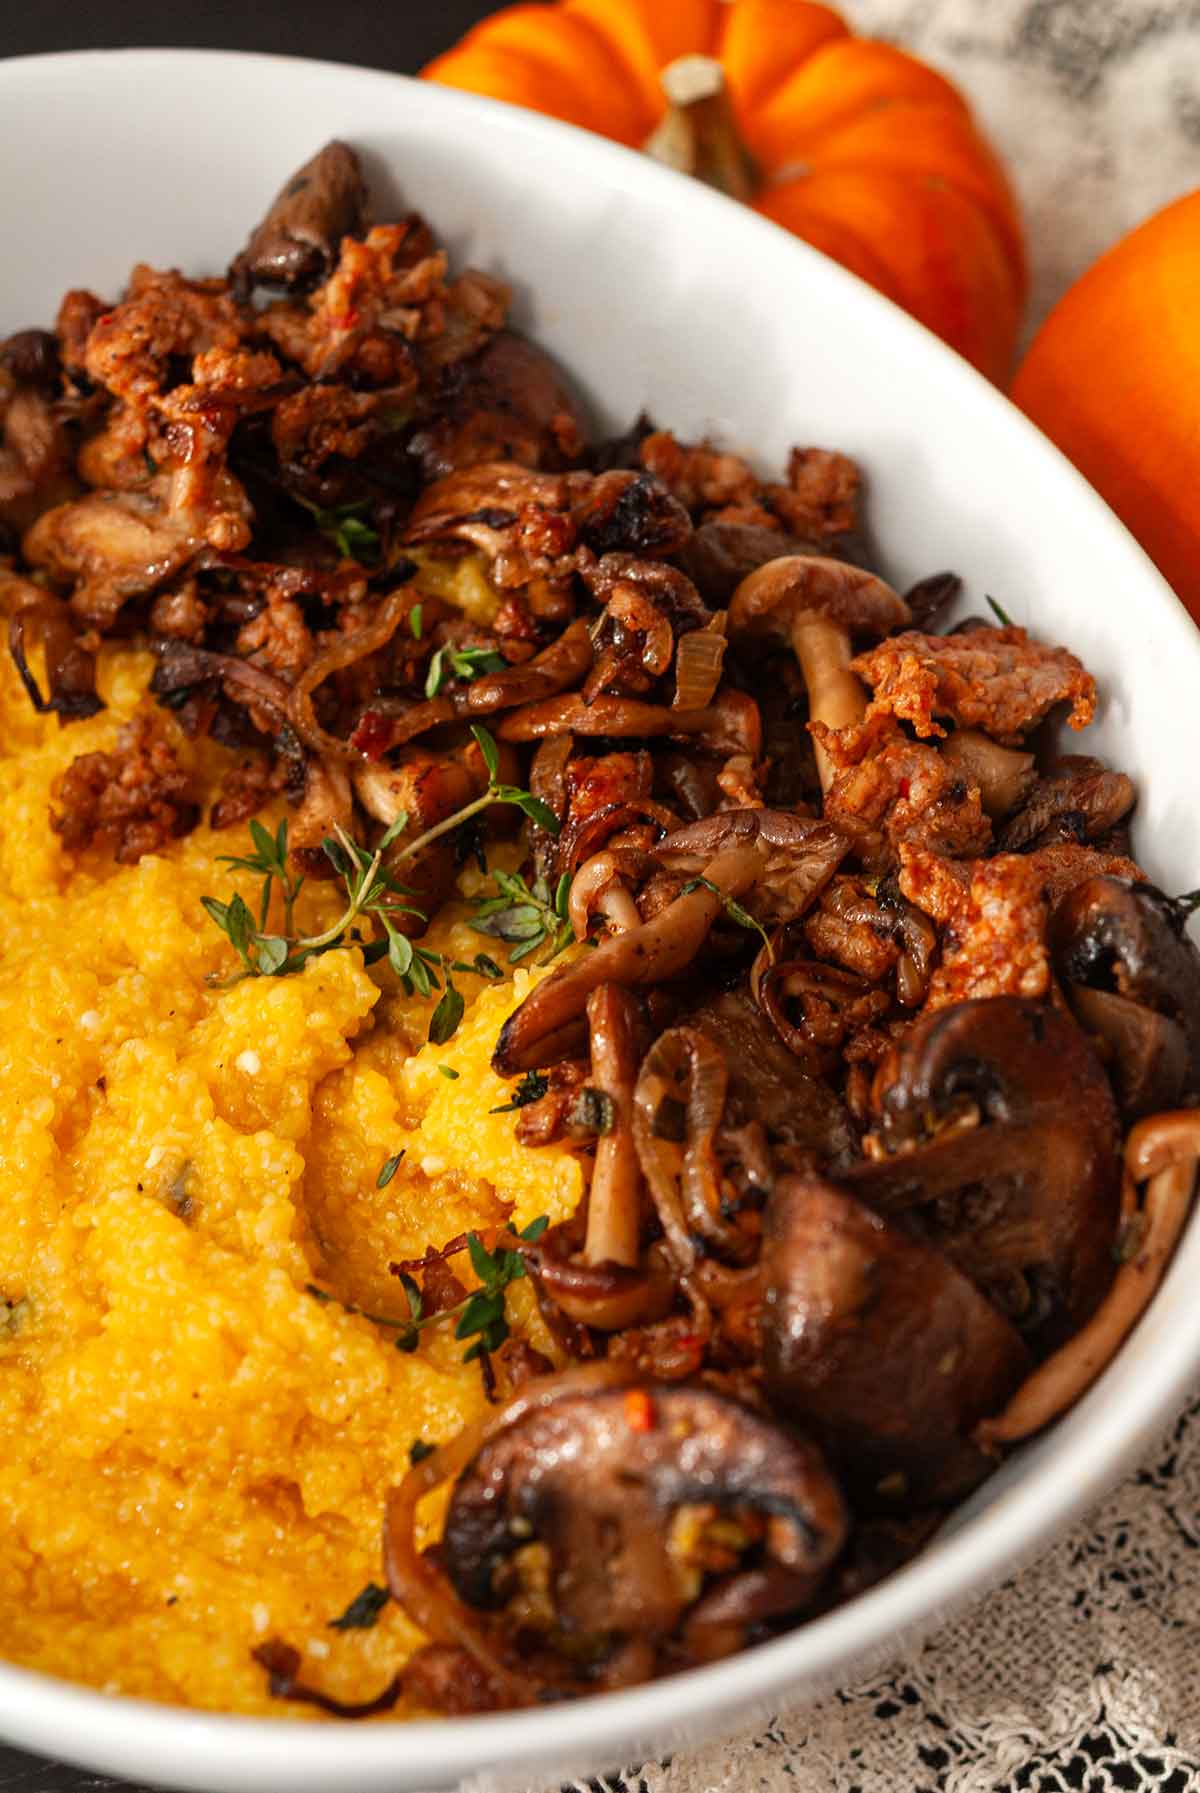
998	610
532	1088
479	1316
526	916
371	889
733	910
344	527
466	663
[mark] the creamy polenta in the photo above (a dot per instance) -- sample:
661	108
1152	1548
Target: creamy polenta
197	1448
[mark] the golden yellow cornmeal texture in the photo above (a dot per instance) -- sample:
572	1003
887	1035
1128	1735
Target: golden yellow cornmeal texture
196	1450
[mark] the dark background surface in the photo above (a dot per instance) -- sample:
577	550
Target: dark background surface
396	36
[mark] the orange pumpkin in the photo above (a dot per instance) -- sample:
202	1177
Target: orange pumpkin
849	143
1113	377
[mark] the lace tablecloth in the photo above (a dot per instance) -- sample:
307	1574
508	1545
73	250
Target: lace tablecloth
1084	1672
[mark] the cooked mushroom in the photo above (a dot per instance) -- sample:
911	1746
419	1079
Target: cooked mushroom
546	1026
721	858
1078	799
1003	1138
718	556
297	243
509	402
1111	934
816	604
1004	775
609	1496
880	1345
606	1285
70	667
1163	1153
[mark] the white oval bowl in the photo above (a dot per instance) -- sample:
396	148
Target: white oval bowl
657	295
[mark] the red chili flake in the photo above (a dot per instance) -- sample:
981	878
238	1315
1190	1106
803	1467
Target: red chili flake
347	321
372	735
904	787
639	1411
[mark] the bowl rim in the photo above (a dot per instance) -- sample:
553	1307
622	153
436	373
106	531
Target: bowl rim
50	1714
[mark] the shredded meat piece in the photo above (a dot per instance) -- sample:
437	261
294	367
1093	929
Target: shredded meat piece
137	798
594	782
542	1122
889	791
444	1678
278	637
319	421
180	613
1064	864
821	497
130	348
77	318
995	679
993	915
836	935
245	789
740	782
818	502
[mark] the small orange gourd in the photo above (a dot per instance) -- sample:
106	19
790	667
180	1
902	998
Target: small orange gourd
847	142
1113	376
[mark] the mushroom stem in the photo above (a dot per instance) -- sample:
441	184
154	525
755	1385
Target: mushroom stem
620	909
1165	1149
1004	774
615	1200
835	696
698	134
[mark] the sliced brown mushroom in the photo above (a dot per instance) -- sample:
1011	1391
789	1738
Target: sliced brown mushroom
70	667
1079	799
1004	775
610	1493
790	854
509	402
718	556
606	1285
1163	1153
730	724
298	240
1003	1142
1149	1061
1112	934
882	1347
816	604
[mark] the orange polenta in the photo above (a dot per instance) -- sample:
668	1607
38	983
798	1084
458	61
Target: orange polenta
196	1447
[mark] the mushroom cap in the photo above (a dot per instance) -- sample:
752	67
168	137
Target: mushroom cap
1115	934
771	600
597	1477
298	240
1005	1139
875	1341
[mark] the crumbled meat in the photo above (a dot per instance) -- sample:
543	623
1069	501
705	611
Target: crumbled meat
136	798
180	613
995	679
78	315
444	1678
993	915
594	782
163	316
1064	864
246	788
278	637
319	421
838	932
889	791
817	504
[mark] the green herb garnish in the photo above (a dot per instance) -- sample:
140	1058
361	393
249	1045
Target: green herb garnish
733	910
466	663
527	917
371	889
363	1610
388	1169
532	1088
999	611
418	1450
344	527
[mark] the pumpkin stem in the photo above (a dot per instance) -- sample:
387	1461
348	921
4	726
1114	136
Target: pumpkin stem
698	134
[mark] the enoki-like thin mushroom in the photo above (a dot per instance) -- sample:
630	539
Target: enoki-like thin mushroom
1163	1152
